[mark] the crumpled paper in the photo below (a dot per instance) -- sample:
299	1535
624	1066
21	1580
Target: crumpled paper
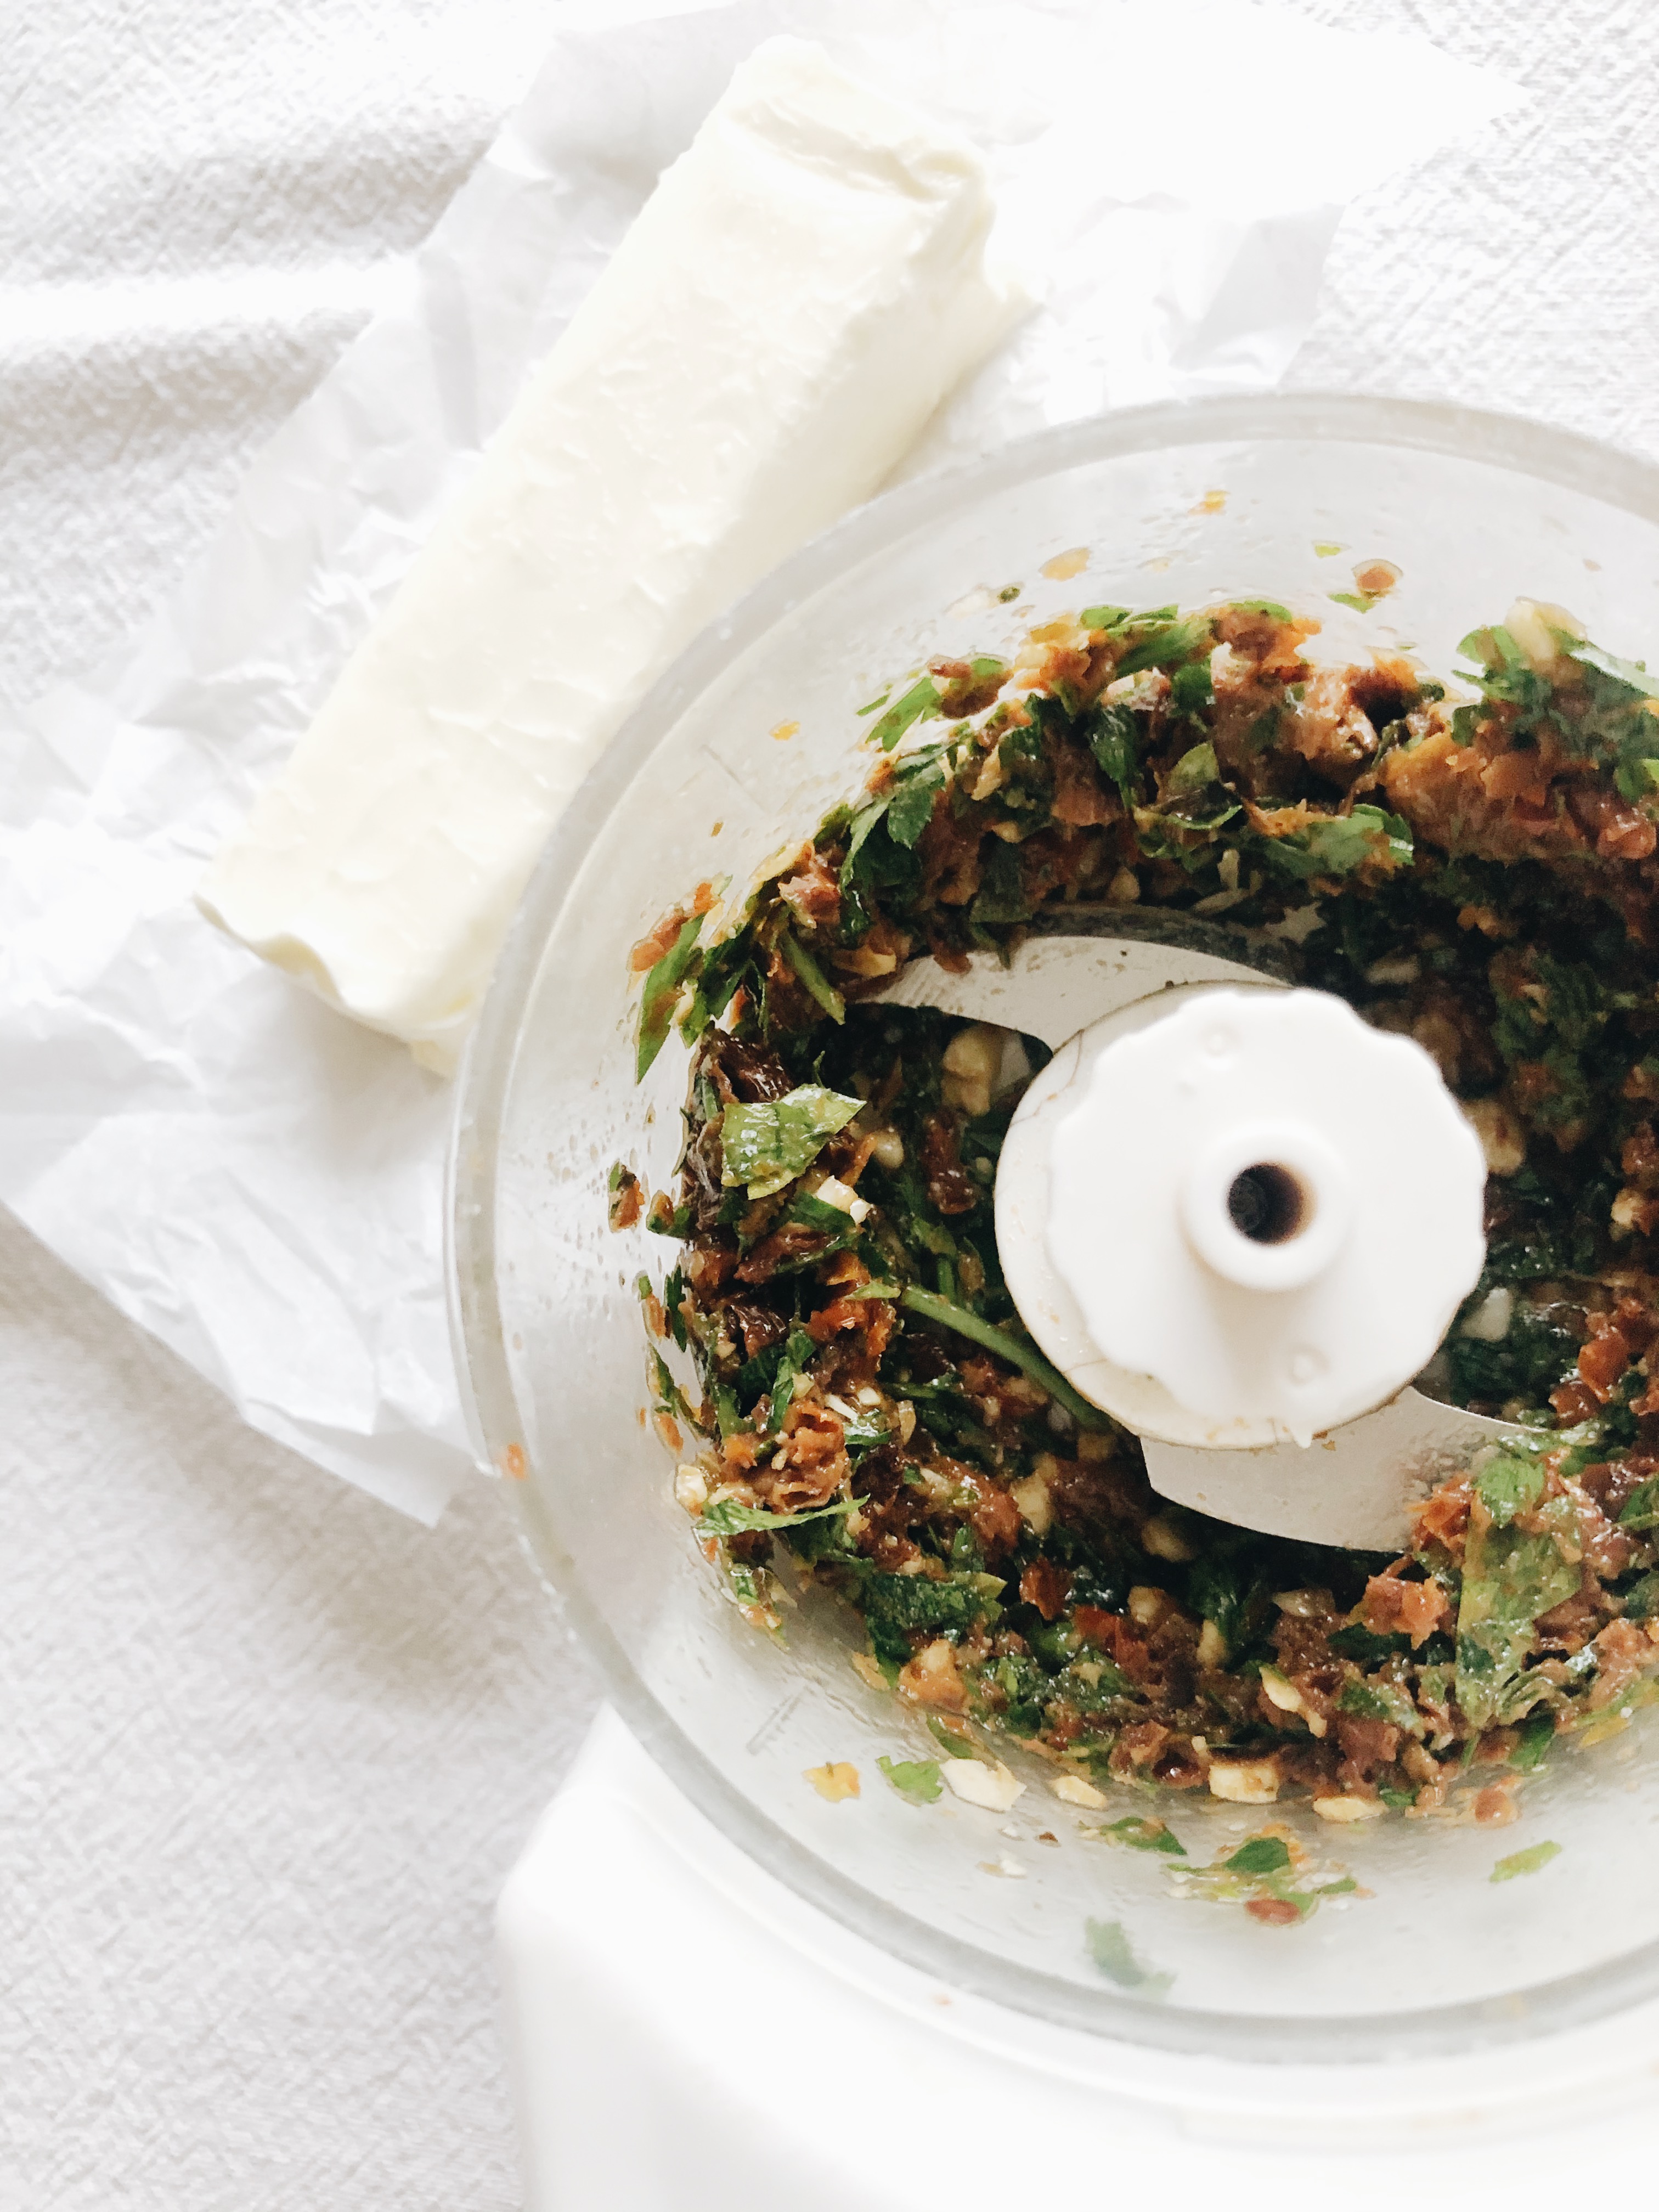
246	1173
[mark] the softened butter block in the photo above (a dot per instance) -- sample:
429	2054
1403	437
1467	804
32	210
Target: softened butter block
804	286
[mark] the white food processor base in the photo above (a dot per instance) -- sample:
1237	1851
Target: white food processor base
688	2034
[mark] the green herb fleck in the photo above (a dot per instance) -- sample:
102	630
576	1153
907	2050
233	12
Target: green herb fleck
1527	1862
919	702
1378	1701
911	806
1632	673
916	1780
1510	1579
1025	1357
1339	845
1165	640
1261	1855
1194	771
726	1516
1140	1835
1537	1734
768	1144
1112	741
817	983
665	1393
952	1746
895	1605
1509	1485
662	988
1109	1948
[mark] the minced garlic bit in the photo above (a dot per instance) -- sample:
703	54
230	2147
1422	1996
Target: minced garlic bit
1244	1781
1035	1504
843	1198
932	1677
988	781
993	1788
1346	1810
1289	1699
1072	1790
1536	626
1630	1208
1297	926
1502	1139
1301	1604
1161	1537
1402	969
1489	1321
972	1060
835	1781
887	1150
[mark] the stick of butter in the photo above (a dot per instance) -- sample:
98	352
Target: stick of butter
806	285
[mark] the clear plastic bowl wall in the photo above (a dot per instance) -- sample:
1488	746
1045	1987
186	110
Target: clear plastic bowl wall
704	782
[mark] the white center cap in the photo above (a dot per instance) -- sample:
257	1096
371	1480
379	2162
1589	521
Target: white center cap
1233	1216
1267	1205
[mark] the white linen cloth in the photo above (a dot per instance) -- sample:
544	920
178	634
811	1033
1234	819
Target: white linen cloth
269	1749
238	1168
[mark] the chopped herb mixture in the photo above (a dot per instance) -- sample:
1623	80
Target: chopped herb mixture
1479	876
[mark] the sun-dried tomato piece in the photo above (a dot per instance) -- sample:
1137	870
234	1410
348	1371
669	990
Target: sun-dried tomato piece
1046	1585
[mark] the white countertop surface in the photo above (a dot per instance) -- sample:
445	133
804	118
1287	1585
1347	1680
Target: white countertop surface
269	1749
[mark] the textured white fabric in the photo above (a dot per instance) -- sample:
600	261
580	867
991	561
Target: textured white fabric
268	1747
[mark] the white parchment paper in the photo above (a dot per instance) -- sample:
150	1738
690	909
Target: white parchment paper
238	1169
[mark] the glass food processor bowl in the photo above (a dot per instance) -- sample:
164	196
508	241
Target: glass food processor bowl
747	743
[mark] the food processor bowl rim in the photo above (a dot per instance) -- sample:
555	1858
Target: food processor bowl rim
1577	462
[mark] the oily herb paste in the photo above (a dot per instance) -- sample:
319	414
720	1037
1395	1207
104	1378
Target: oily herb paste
868	1410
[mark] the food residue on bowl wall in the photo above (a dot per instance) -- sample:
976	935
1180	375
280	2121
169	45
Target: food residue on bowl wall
1065	566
